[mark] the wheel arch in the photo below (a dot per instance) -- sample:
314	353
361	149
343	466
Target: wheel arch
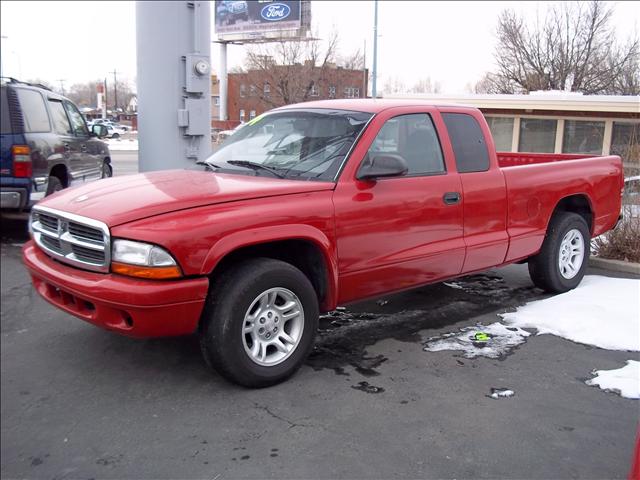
302	246
60	171
579	203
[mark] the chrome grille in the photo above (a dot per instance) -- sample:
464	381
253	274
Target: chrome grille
78	241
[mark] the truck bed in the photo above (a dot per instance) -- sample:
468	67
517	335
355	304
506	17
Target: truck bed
511	159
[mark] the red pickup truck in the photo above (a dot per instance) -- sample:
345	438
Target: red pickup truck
307	207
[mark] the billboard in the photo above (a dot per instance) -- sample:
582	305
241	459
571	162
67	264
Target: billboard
247	20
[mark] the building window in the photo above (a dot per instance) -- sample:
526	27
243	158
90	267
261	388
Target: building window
583	137
253	90
356	92
332	91
266	89
625	139
537	135
252	114
502	132
351	92
314	91
243	90
242	115
216	101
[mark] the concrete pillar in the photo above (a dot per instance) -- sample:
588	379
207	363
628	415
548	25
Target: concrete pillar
174	83
224	114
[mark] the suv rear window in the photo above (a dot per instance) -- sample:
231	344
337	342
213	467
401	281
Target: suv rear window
469	145
34	111
5	115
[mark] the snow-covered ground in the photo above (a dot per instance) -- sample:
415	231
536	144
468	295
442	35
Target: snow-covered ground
122	144
603	312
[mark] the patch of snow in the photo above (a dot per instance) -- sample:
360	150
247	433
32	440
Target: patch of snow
501	393
126	144
454	285
624	381
602	311
502	339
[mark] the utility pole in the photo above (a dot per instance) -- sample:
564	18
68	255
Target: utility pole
115	90
104	110
4	37
374	92
174	84
364	70
62	80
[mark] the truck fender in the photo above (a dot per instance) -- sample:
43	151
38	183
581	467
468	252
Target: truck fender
234	241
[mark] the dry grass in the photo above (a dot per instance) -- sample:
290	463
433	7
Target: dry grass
623	243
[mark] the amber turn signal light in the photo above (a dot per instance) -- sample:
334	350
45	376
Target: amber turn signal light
154	273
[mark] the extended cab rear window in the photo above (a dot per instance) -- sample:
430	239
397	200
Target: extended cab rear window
468	142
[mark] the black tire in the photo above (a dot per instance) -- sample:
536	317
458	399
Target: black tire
53	185
223	319
544	268
115	135
107	170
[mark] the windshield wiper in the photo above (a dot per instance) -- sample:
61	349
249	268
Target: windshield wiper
210	166
255	166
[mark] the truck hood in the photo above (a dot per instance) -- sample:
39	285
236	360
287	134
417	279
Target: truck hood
119	200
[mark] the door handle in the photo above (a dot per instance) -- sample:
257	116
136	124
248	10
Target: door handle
451	198
67	147
83	147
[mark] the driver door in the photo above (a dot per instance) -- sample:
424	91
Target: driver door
399	232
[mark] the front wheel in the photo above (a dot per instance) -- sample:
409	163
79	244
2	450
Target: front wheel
115	135
107	170
562	261
259	322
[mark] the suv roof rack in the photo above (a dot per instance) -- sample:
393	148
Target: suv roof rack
14	80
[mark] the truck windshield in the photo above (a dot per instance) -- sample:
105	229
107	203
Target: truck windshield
297	144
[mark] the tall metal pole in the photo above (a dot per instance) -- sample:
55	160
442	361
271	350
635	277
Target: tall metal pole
374	73
115	90
104	110
173	41
223	81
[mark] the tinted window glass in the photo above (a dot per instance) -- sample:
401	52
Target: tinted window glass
414	138
60	121
537	135
502	132
469	145
77	121
583	137
625	139
5	116
33	111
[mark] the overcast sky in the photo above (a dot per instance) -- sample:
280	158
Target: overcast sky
452	42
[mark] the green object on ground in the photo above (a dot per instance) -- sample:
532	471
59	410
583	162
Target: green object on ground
481	337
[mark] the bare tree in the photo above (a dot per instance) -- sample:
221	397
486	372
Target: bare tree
394	85
426	85
84	94
574	49
290	68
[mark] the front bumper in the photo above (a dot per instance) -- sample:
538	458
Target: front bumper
132	307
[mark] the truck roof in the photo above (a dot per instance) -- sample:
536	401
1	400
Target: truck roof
369	105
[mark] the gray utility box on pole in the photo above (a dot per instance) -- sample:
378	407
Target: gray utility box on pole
174	83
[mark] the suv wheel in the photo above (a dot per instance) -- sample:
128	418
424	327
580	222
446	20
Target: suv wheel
53	185
115	135
563	258
259	322
107	170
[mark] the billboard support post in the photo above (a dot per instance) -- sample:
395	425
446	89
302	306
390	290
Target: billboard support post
223	81
374	73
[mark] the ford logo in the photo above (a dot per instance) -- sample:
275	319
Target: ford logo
275	12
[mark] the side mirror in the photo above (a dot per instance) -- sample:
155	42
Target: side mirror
380	166
99	130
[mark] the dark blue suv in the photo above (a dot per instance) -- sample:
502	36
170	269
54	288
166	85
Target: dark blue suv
45	145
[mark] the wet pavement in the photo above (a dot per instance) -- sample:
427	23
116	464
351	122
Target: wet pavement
78	402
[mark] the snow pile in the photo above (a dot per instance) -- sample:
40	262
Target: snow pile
501	341
624	381
126	144
497	393
604	312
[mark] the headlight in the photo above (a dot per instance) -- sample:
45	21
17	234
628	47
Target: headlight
138	259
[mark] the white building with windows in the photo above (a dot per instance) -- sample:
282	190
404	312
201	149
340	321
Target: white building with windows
555	122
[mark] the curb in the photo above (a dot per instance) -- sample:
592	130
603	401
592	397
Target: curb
615	265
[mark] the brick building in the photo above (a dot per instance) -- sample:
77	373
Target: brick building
252	93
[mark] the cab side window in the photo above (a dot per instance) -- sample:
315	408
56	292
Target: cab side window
414	138
61	123
77	121
468	142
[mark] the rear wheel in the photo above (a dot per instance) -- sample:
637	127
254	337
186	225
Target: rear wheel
107	170
563	258
115	135
259	323
53	185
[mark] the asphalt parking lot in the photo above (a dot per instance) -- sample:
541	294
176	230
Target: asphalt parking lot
78	402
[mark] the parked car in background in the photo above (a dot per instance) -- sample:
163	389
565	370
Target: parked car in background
45	145
110	123
231	11
224	134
